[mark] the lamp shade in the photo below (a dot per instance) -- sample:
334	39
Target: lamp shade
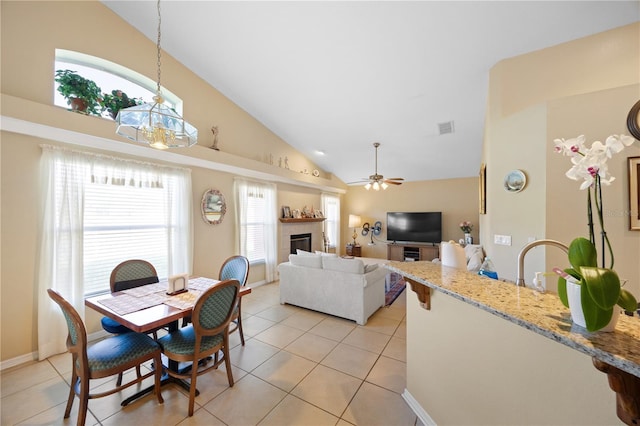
354	221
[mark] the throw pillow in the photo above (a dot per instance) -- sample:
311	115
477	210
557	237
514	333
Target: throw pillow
304	253
354	266
474	262
311	261
471	249
370	267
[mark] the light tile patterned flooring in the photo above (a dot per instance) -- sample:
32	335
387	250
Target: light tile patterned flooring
298	367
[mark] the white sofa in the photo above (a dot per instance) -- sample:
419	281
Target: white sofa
346	288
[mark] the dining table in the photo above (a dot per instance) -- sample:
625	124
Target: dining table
146	308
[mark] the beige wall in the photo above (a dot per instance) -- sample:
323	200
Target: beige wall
583	87
457	199
467	366
27	94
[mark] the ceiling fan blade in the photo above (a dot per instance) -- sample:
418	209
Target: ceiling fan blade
395	178
392	182
363	180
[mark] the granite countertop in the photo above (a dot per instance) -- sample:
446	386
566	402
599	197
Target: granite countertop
542	313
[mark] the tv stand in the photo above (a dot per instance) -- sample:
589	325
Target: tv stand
409	252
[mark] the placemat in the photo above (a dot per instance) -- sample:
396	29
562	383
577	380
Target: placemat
183	300
144	290
125	303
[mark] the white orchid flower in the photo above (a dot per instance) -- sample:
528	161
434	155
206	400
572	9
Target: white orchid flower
569	147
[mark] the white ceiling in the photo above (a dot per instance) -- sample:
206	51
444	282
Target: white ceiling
336	76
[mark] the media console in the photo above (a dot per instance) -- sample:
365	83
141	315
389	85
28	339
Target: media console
412	251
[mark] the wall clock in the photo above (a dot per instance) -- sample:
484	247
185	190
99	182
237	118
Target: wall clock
633	121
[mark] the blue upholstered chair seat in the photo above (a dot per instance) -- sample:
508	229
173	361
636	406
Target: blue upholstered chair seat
183	340
113	326
119	350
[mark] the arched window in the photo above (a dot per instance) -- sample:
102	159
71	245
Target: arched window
110	76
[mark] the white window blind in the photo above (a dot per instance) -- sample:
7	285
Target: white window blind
123	222
255	227
331	210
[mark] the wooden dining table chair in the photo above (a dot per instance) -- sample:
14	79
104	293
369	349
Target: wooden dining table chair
207	335
126	275
105	358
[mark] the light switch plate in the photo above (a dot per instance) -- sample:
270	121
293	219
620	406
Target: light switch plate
502	240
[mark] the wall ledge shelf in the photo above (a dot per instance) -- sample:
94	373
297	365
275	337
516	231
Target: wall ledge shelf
303	219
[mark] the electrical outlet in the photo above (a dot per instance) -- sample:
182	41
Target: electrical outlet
502	240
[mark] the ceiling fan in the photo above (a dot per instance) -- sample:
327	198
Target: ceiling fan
377	181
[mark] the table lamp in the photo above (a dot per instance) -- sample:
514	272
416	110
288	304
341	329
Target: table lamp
354	222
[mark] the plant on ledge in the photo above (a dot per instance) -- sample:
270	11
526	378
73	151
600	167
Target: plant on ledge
117	100
82	94
602	285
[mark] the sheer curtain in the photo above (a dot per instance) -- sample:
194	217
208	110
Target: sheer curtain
65	176
256	223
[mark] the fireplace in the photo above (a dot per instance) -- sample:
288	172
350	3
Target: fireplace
300	241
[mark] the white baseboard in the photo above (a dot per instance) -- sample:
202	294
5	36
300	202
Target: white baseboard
33	356
417	409
22	359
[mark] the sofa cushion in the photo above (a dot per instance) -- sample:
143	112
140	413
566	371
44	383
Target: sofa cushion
304	253
353	266
310	261
322	253
370	267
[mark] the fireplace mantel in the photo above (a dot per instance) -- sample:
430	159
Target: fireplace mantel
303	219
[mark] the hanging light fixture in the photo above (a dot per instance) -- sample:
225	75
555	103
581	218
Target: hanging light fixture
155	123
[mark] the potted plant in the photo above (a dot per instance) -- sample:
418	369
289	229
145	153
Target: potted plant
117	100
82	94
599	287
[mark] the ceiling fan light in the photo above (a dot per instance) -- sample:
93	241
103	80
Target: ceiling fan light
376	186
384	185
367	186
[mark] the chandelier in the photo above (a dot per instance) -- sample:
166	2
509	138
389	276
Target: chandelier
155	123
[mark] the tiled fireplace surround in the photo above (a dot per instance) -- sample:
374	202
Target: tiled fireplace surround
289	229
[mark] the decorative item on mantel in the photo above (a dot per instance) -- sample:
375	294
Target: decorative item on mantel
598	287
466	227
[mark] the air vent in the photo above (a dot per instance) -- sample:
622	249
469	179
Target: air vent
445	128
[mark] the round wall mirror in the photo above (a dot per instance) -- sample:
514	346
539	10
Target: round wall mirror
213	206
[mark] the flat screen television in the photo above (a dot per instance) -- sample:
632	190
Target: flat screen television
415	227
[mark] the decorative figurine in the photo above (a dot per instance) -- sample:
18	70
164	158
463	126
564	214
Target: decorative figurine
214	130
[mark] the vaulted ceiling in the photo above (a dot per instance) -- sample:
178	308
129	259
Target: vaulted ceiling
337	76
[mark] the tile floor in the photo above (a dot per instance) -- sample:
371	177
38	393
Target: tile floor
298	367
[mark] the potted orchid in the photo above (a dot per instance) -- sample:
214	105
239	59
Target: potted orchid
599	287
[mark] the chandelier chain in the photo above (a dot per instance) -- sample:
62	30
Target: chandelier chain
159	55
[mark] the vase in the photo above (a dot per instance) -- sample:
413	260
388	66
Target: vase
468	239
575	306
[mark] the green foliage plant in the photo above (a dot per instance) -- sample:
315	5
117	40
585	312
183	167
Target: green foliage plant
74	86
117	100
